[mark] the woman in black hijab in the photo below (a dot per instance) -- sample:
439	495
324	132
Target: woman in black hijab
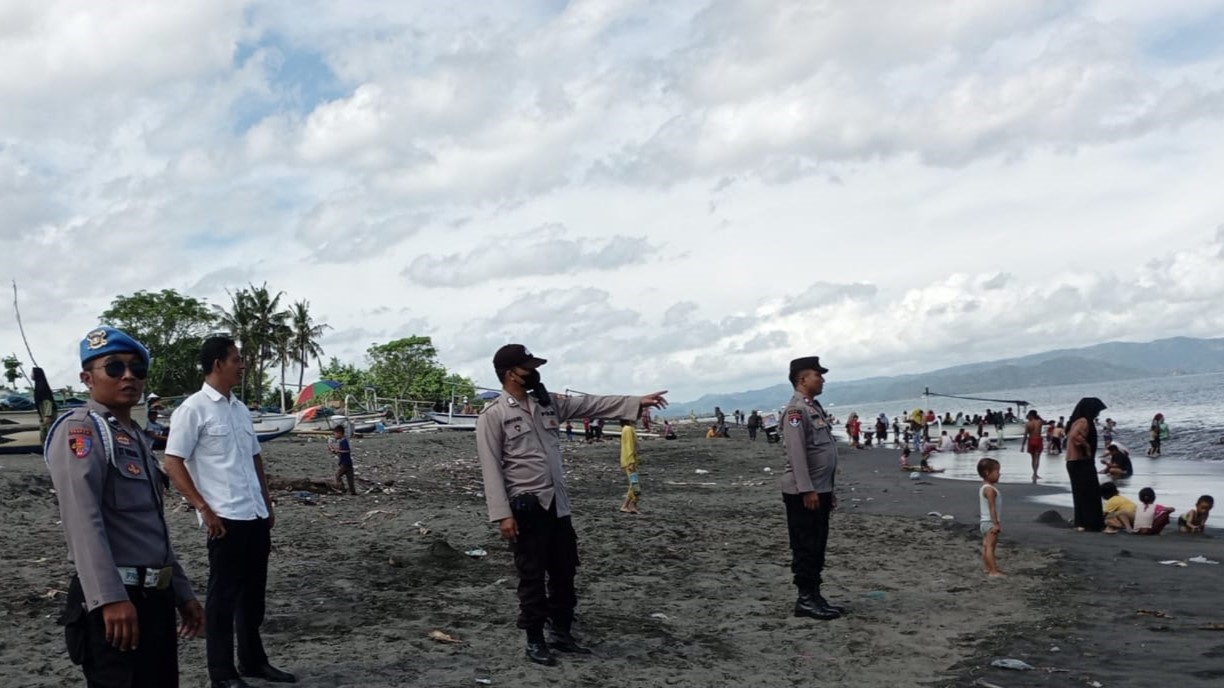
1081	453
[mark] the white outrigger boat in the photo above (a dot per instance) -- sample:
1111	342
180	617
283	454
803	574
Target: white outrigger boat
20	431
455	421
269	426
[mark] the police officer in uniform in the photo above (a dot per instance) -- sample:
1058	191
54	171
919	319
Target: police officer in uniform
807	485
119	617
518	441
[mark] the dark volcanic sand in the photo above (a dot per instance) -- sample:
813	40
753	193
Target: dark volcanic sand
694	592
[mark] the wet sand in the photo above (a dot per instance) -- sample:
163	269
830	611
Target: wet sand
694	592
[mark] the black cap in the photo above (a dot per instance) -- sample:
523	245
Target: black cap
808	363
513	355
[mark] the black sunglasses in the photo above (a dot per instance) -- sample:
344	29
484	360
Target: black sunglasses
140	369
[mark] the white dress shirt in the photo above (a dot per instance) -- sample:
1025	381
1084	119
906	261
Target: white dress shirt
214	436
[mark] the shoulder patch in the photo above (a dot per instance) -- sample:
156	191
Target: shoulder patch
794	417
80	445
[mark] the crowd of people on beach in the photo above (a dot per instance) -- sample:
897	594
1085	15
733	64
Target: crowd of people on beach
121	608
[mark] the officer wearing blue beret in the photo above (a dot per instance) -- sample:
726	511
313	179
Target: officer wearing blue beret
119	617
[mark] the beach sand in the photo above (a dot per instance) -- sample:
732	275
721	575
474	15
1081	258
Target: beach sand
694	592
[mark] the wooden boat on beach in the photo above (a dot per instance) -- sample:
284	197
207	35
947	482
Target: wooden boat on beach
20	431
455	421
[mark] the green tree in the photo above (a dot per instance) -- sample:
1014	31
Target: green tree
408	368
12	369
405	368
255	319
306	334
348	375
172	326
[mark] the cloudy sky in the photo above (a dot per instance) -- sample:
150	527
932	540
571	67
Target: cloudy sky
672	194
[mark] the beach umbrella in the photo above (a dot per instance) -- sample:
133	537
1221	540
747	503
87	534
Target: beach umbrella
315	389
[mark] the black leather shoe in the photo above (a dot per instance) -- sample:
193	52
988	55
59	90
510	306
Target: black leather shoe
564	641
540	654
825	604
231	683
807	606
268	673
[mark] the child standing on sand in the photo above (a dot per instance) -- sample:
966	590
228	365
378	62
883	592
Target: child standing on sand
629	464
990	525
338	445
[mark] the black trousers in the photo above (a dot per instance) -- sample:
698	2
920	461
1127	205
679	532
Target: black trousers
809	536
1086	494
546	556
752	433
237	579
154	662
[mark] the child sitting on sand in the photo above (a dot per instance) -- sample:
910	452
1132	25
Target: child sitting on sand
990	524
1119	511
1195	520
905	464
1150	517
629	464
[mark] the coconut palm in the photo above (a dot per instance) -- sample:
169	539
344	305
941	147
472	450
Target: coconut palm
254	320
306	334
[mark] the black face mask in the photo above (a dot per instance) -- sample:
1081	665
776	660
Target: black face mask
532	383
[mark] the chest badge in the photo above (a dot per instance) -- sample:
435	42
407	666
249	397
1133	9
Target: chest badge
132	468
80	445
124	440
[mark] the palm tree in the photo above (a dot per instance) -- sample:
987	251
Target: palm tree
306	334
283	337
255	319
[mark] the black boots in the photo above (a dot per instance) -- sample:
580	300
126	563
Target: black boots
539	651
812	605
562	640
824	604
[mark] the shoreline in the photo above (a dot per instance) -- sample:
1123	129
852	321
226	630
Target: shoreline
355	585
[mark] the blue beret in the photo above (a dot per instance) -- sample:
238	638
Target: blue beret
105	341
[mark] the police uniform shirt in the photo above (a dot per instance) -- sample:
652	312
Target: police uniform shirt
519	445
214	436
811	451
112	512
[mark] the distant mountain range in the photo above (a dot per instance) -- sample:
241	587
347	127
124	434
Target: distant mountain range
1109	362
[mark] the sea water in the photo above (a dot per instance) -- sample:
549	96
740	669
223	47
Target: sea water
1191	461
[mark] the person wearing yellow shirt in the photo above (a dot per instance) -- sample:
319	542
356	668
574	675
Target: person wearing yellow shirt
1119	511
629	464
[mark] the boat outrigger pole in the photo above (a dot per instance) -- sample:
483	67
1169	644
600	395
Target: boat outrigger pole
1019	404
44	398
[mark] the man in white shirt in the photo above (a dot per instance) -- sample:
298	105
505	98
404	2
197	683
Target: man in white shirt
213	458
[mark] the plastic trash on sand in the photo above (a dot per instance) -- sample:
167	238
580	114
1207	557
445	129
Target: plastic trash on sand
1012	664
1202	560
1174	562
443	637
485	681
476	552
659	615
914	476
702	471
